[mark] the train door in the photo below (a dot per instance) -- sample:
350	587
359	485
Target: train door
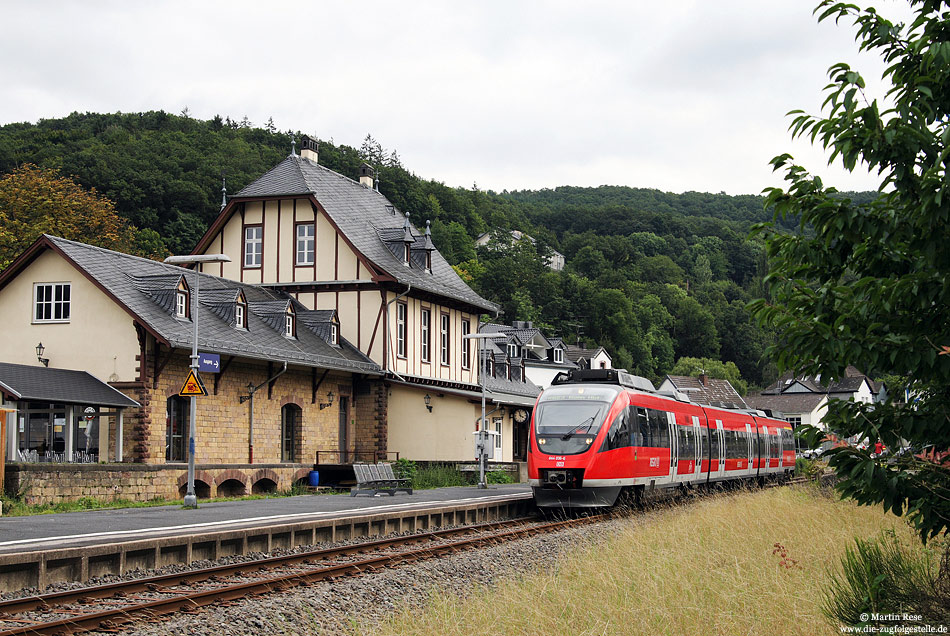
674	445
762	449
699	449
749	439
719	462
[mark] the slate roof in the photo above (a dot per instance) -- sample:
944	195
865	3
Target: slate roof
368	220
788	403
715	391
120	275
24	382
576	354
849	384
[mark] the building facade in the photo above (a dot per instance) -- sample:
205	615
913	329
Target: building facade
337	244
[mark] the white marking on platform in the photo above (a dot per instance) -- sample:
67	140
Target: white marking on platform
253	520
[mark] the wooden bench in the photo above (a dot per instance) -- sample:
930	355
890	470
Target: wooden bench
376	479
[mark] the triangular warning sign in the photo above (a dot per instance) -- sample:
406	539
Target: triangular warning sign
193	385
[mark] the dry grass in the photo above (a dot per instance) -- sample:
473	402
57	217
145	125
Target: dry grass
710	567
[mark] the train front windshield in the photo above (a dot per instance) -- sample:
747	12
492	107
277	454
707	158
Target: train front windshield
569	417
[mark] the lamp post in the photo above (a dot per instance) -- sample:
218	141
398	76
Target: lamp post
482	431
191	500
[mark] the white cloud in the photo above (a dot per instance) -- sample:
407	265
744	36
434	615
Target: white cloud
689	96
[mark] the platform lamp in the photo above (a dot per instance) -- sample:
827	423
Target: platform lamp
191	500
483	430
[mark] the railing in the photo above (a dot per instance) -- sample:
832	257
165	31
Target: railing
354	456
53	457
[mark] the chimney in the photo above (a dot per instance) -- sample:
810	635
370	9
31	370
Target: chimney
309	148
704	379
366	176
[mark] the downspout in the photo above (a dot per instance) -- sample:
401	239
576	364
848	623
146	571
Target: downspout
250	396
386	359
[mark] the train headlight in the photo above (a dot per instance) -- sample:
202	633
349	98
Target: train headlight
589	440
542	441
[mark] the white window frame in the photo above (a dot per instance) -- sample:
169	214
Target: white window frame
425	335
240	316
498	428
253	246
466	345
306	243
181	304
401	310
445	325
289	325
512	350
50	305
334	334
558	356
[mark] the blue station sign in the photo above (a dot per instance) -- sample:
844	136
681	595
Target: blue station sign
210	362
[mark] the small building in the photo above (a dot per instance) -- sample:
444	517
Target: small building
555	260
705	390
804	399
584	358
96	350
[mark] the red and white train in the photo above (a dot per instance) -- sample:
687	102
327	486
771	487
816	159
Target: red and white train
598	433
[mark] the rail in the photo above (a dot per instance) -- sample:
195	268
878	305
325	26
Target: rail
344	457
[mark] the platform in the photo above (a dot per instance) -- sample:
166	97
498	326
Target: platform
42	549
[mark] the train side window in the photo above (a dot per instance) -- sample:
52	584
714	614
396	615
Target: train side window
704	441
714	444
619	434
659	428
643	425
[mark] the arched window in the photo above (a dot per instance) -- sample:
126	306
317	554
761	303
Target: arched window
290	417
176	429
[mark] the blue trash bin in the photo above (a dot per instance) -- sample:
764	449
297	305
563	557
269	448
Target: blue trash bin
314	478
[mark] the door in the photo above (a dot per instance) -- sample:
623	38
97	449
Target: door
674	445
176	428
749	441
719	462
344	431
289	432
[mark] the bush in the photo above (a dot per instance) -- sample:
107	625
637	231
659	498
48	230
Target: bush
405	469
499	477
810	468
438	476
884	576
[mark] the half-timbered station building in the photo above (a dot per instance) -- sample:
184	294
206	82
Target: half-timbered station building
336	244
96	347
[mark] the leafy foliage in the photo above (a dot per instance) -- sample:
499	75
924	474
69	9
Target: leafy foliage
866	283
35	201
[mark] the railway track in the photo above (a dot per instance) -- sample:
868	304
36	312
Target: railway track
117	605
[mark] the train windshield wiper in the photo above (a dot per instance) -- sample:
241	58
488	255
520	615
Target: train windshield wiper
589	421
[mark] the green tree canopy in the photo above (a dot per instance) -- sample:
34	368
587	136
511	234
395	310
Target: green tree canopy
713	368
866	283
35	201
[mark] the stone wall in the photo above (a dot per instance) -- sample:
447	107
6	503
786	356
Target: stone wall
50	483
223	421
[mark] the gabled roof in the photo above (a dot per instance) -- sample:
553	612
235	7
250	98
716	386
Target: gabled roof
792	383
365	217
788	403
575	353
714	391
118	276
24	382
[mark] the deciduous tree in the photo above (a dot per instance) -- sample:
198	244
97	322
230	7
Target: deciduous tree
35	201
867	283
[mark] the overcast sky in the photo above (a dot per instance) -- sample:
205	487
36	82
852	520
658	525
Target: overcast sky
681	96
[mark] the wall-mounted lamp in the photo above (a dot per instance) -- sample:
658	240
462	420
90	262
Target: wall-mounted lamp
39	354
428	401
329	401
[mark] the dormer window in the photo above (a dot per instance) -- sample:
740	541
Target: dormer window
406	254
334	334
512	350
182	301
558	356
240	315
290	323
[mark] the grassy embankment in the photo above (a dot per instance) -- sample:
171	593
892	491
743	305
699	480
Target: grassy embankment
745	563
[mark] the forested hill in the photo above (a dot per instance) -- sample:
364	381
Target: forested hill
651	276
743	209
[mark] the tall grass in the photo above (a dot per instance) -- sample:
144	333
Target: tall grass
744	563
